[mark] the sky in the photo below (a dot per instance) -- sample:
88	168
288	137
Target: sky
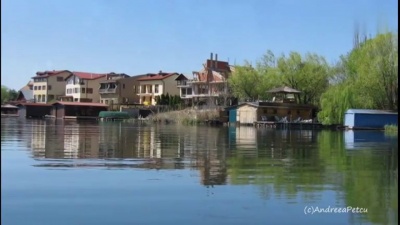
146	36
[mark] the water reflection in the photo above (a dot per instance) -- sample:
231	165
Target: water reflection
302	166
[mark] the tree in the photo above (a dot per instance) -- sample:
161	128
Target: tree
4	94
367	77
309	74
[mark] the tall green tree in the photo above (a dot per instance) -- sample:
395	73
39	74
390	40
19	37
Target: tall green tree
367	78
309	74
4	94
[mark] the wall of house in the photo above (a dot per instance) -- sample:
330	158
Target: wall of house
170	86
57	86
87	84
130	91
247	114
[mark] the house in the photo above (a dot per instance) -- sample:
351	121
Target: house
155	84
49	85
119	89
77	110
369	119
185	89
25	94
210	84
82	87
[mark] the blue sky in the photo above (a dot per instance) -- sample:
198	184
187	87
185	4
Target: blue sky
143	36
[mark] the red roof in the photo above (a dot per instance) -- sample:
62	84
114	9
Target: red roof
156	76
88	76
81	104
49	73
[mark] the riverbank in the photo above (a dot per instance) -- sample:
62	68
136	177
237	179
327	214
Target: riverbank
186	116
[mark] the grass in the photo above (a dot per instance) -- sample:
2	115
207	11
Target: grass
187	116
391	129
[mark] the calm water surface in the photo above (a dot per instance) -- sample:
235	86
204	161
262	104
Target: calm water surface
60	172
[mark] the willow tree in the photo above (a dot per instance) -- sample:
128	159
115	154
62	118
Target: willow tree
366	78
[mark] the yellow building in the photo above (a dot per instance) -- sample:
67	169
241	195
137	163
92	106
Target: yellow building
49	85
153	85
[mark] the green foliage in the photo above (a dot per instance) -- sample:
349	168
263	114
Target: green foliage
309	74
171	100
391	129
365	78
8	94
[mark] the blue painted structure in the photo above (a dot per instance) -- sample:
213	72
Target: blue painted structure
232	113
369	119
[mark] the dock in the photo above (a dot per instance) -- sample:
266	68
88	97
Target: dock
288	125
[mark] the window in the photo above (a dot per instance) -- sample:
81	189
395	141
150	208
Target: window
107	102
43	98
35	87
44	87
60	79
189	91
123	86
49	87
83	90
69	91
39	88
75	99
76	90
89	91
30	87
156	88
150	88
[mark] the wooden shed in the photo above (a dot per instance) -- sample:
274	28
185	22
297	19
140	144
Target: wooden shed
250	112
77	110
33	110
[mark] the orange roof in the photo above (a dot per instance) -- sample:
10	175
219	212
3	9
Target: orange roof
81	104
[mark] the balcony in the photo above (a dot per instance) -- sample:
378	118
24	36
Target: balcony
145	94
183	83
108	91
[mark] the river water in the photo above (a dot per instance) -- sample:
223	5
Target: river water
68	172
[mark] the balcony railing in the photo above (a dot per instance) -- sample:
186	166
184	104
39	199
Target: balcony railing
109	90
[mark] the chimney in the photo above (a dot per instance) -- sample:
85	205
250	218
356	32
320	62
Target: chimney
160	72
211	60
216	61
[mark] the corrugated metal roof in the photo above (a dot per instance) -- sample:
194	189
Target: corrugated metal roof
369	111
8	106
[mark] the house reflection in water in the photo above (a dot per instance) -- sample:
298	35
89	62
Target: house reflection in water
59	139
